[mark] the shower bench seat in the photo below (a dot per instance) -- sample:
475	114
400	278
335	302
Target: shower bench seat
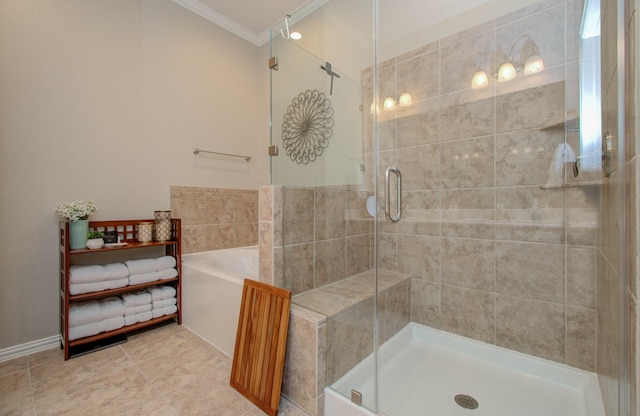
328	321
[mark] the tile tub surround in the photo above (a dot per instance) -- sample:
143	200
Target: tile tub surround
215	218
331	330
167	371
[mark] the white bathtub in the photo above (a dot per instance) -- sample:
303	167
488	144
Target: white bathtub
211	292
424	369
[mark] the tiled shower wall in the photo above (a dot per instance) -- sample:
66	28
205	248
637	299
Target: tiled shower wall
494	254
322	235
215	218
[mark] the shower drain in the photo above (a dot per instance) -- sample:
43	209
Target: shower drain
466	401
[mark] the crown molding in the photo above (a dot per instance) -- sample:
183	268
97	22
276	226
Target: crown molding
224	22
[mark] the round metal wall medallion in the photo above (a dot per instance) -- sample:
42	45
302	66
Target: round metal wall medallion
307	126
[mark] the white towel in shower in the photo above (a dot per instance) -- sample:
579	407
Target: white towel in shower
134	310
563	154
162	292
140	317
158	304
167	310
141	297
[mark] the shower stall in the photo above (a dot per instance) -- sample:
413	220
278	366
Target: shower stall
444	177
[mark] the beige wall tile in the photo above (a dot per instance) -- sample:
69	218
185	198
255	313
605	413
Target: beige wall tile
419	167
218	208
299	269
421	128
468	213
468	312
245	234
245	208
330	214
298	215
218	237
531	327
419	257
411	79
468	263
581	338
476	50
188	206
467	113
330	256
530	108
467	163
581	277
193	240
397	309
425	303
358	254
341	338
533	271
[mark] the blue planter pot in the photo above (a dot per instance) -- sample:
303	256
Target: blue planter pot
78	232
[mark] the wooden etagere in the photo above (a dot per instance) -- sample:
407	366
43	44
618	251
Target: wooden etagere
128	232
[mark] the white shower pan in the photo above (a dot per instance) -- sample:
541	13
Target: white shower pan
424	369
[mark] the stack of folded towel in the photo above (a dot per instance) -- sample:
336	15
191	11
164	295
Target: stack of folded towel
137	307
95	316
95	278
150	270
164	301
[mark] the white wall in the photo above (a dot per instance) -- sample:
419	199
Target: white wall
105	100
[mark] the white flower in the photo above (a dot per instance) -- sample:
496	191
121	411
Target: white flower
76	210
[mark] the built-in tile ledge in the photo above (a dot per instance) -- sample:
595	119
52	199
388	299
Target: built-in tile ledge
329	300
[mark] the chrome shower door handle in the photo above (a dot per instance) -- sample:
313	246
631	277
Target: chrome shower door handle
387	194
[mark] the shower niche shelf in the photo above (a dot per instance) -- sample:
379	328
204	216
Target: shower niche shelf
127	231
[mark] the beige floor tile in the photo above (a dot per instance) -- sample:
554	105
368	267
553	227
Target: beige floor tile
123	392
166	371
17	364
54	376
15	391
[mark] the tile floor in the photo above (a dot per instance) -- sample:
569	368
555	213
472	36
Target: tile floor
166	371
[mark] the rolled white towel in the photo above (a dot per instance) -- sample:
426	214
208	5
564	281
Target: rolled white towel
157	304
140	317
82	313
135	310
111	324
115	271
141	297
80	288
167	310
85	330
165	262
141	266
136	279
162	292
87	274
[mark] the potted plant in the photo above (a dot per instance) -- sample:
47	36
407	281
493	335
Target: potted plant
77	213
95	240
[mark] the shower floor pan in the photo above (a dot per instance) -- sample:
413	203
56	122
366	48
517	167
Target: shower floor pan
423	370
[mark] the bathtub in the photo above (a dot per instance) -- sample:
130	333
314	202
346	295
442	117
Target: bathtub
211	292
423	368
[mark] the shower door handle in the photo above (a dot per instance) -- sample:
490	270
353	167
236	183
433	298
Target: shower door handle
387	194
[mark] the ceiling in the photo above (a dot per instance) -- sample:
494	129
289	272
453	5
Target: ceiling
249	19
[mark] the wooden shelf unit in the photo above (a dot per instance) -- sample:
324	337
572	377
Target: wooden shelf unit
127	231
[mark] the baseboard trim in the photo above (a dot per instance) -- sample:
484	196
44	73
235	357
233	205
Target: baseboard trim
16	351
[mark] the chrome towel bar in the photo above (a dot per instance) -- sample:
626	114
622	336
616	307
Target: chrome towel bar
198	151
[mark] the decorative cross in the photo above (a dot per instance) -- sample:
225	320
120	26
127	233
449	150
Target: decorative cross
327	68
